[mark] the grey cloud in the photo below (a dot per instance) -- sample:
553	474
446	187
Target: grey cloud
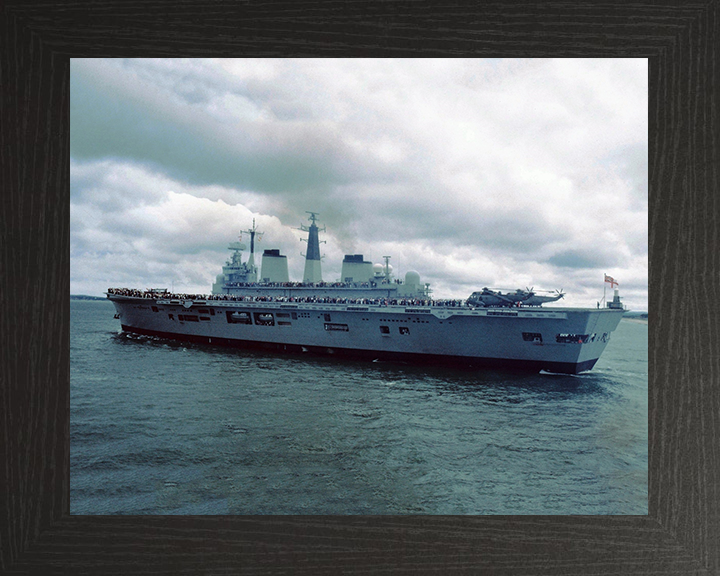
581	259
442	218
194	81
631	164
310	141
112	187
273	158
192	92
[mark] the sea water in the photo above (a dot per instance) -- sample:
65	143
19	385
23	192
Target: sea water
162	427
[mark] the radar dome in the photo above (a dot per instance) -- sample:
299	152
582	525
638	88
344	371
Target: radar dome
412	278
378	269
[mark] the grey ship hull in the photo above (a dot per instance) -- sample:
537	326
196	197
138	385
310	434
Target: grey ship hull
566	340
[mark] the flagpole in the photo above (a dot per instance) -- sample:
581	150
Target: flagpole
604	289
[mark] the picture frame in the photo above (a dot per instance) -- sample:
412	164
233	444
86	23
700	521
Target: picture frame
681	531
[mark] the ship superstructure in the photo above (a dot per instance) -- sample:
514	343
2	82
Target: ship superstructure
235	270
369	314
359	277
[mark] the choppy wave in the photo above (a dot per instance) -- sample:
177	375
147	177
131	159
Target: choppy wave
160	427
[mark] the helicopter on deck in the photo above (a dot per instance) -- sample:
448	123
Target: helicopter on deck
486	298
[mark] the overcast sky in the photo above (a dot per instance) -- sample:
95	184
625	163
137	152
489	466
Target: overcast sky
498	173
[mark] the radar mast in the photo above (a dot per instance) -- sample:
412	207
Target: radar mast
252	231
313	272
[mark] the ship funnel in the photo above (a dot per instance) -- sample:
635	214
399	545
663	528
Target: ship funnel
356	269
274	267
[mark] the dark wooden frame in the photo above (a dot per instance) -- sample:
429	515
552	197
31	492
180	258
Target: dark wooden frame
682	531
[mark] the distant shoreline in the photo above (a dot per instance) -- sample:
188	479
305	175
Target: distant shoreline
84	297
637	320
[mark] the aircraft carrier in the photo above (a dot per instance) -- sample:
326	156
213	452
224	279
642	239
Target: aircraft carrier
370	314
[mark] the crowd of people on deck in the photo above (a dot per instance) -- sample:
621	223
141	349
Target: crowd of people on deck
163	294
310	284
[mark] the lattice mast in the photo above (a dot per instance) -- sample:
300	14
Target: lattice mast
252	231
